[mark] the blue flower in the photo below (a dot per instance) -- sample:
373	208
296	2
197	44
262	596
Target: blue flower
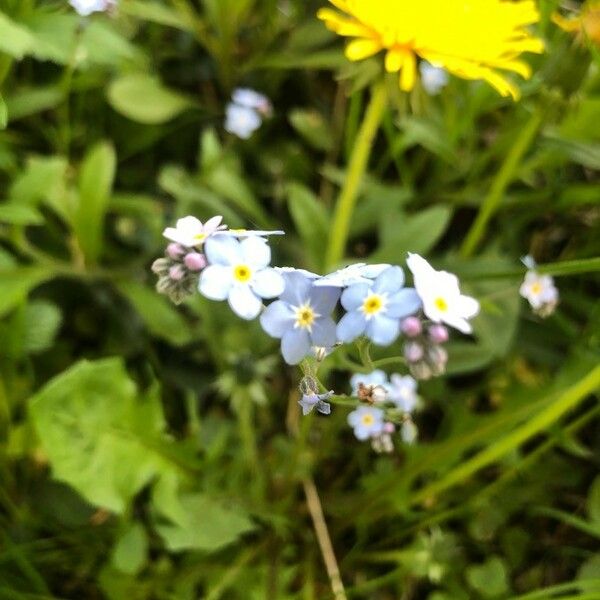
375	378
403	392
367	422
309	401
376	308
358	273
301	317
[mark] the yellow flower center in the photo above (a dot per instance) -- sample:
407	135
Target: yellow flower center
238	230
441	304
200	237
242	273
305	316
367	419
373	304
536	288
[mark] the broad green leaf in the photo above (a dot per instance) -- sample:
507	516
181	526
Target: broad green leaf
25	102
426	133
15	40
54	35
489	579
131	550
17	282
102	44
208	525
311	125
95	185
466	358
142	98
158	314
101	435
41	323
156	13
20	214
311	220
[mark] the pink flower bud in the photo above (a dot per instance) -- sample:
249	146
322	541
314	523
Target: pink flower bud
194	261
175	251
176	273
438	334
411	326
413	352
389	428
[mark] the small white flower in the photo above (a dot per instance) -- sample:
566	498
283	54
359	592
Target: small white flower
241	120
403	392
375	378
190	231
352	274
433	78
541	293
87	7
440	293
248	98
239	272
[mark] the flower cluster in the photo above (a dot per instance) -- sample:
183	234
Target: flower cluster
87	7
539	290
245	113
235	266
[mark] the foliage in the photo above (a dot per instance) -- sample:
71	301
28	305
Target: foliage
155	451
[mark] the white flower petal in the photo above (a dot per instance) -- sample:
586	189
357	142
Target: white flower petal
467	307
244	303
215	282
255	252
268	283
223	250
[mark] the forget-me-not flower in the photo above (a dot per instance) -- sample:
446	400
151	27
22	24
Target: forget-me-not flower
190	231
301	317
239	272
352	274
403	392
87	7
440	293
246	233
310	401
375	378
376	308
540	292
251	99
367	422
241	120
433	78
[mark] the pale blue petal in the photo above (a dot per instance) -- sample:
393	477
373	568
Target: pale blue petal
355	295
323	332
222	250
243	302
351	326
215	282
362	432
324	299
382	330
255	252
295	345
277	318
390	281
405	302
297	288
267	283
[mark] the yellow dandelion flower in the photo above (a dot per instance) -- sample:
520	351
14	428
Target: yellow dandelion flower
585	26
473	39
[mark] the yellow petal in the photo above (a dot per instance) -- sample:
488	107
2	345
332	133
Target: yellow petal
569	25
362	48
393	60
408	75
342	25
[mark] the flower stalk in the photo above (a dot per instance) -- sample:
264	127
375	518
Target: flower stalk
359	159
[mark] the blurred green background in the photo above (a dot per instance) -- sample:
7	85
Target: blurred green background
153	451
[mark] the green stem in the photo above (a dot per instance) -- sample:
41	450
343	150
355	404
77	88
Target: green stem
503	178
356	169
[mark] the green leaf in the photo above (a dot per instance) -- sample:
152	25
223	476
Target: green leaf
3	113
207	526
142	98
103	45
20	214
42	321
311	125
100	435
17	282
402	233
29	101
489	579
54	35
467	358
95	184
593	501
158	314
131	550
156	13
311	220
15	40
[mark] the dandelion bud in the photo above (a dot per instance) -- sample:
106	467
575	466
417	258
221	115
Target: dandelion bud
175	251
194	261
438	334
176	273
413	352
411	326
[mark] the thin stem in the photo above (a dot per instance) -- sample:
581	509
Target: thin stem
503	178
356	169
316	513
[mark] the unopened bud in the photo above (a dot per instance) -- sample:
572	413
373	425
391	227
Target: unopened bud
411	326
175	251
176	273
438	334
194	261
161	266
389	428
413	352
